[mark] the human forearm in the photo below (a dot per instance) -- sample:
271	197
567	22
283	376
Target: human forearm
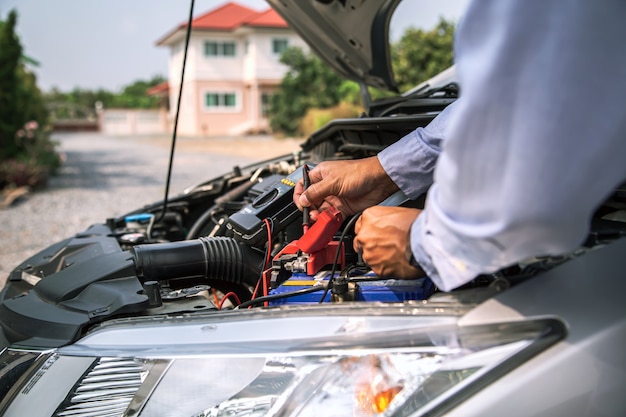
527	158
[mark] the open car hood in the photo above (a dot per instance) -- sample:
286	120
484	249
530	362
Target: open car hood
352	36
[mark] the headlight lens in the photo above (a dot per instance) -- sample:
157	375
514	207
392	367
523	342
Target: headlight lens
390	363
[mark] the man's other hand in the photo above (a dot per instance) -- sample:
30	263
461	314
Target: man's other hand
383	238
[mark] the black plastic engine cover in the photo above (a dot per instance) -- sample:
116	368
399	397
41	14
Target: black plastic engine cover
82	280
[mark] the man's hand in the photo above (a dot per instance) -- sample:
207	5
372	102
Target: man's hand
350	186
383	240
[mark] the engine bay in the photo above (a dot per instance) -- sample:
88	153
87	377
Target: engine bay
236	241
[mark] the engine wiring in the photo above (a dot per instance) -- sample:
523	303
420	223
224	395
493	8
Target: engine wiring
272	297
268	252
342	237
325	287
226	297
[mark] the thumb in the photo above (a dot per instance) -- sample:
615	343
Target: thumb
315	194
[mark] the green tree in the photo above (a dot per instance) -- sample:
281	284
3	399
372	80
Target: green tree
79	103
419	54
10	54
27	155
134	95
309	83
20	98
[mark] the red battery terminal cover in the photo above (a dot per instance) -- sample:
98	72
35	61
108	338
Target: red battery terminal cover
321	233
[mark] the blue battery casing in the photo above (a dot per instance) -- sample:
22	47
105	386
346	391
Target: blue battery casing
383	290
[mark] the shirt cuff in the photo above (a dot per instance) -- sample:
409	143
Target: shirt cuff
448	259
410	163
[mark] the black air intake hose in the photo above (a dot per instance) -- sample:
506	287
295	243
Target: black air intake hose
215	258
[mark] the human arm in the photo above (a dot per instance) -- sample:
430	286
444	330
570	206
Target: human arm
382	238
355	185
350	186
411	161
383	233
537	141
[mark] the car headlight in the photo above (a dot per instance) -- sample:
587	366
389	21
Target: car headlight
359	361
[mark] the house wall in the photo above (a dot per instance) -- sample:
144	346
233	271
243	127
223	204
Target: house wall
187	119
212	121
217	67
254	70
261	62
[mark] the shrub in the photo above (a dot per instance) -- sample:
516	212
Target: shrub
316	118
35	164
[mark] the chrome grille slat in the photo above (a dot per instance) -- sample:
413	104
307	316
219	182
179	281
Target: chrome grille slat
94	404
105	377
106	390
95	412
105	393
94	386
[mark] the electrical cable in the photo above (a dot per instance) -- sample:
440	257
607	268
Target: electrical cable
331	280
180	95
269	226
256	289
226	296
374	279
282	295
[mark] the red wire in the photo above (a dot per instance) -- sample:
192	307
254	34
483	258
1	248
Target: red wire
256	289
228	294
262	279
269	243
267	259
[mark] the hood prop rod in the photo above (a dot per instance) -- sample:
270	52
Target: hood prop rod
366	97
180	95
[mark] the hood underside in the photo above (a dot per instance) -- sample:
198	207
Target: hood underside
352	36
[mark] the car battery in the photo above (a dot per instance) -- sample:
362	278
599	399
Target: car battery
362	288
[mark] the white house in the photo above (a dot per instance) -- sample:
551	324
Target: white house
232	69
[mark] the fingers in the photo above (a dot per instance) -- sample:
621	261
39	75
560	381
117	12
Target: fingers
381	239
314	195
356	243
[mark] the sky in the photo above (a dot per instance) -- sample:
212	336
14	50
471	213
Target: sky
109	44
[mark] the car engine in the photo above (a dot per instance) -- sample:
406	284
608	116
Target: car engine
233	242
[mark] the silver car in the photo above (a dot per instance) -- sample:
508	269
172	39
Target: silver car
216	304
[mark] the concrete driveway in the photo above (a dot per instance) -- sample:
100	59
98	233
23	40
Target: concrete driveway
105	176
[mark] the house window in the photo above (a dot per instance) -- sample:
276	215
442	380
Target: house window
266	101
229	100
216	101
279	45
229	48
212	100
212	48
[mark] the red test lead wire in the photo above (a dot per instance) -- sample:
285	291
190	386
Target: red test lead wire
306	218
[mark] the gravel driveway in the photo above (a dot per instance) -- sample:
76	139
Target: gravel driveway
108	176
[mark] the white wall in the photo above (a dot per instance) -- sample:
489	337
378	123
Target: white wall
216	67
133	122
248	69
262	62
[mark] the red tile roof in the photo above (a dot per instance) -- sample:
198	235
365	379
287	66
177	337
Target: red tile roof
159	89
230	17
268	18
227	17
